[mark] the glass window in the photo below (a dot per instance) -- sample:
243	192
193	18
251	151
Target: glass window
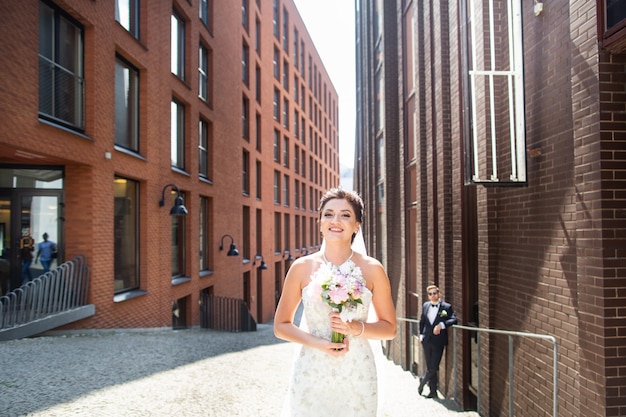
127	14
204	61
178	46
258	132
285	151
61	70
204	233
178	243
285	30
178	134
286	190
295	48
244	14
276	187
258	179
615	13
126	105
276	145
276	63
496	144
285	113
126	234
245	57
286	75
204	148
276	104
275	19
206	13
245	118
257	36
257	83
245	173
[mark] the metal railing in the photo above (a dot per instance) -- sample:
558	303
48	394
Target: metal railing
61	289
224	313
414	333
510	335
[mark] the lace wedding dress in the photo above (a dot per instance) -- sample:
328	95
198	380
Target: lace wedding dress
322	385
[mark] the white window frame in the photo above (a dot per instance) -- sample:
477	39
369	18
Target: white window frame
484	126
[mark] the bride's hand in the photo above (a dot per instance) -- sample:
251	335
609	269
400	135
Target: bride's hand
338	349
338	325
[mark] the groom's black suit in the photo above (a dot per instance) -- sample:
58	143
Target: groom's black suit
434	344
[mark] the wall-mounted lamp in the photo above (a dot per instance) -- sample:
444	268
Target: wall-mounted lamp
178	209
233	249
257	256
288	252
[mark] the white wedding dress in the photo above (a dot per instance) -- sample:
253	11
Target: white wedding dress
322	385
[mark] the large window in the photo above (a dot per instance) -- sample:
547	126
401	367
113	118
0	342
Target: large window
285	30
276	104
204	68
204	233
276	63
245	173
259	180
178	46
178	134
245	118
61	70
178	243
126	234
614	17
275	19
286	190
244	14
126	105
245	59
204	149
276	187
206	13
127	14
496	141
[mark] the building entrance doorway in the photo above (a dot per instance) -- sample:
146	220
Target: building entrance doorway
30	206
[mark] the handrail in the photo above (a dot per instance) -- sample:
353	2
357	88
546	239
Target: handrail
510	333
61	289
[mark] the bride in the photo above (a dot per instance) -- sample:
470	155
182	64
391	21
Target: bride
335	378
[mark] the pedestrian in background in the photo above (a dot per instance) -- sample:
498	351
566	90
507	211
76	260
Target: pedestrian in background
45	254
27	246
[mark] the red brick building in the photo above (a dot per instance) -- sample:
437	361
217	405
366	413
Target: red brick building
491	144
110	108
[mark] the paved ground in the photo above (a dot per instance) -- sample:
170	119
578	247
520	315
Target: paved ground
193	372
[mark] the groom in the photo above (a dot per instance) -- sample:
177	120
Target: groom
436	317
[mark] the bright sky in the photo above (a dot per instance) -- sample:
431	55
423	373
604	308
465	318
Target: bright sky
330	24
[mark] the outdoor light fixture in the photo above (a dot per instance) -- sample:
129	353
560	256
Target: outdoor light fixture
233	249
288	252
178	209
257	256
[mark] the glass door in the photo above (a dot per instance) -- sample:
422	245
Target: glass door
30	235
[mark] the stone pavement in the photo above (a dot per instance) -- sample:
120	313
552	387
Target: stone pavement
164	372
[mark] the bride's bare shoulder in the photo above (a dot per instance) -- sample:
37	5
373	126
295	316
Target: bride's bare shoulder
304	266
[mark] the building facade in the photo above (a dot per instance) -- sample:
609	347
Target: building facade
112	112
491	141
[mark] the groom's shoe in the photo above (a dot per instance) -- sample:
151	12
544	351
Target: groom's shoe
432	394
421	387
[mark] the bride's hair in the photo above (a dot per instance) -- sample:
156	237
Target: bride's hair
351	197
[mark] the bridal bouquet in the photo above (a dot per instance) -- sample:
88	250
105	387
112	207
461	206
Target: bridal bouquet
341	287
